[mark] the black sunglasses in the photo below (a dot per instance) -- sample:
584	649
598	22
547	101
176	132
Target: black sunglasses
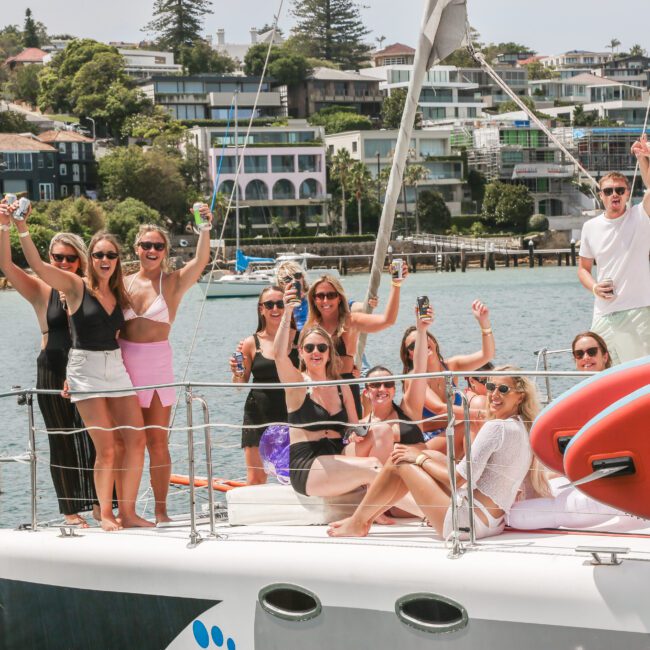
289	278
608	191
411	347
70	259
504	389
590	352
480	380
148	245
330	295
379	384
100	255
269	304
310	347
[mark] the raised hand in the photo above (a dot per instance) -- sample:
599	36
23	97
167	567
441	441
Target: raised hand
641	147
481	312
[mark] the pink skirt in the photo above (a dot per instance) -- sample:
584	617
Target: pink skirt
149	364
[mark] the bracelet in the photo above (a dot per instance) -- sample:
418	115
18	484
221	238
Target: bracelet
421	459
22	235
205	226
593	289
396	284
486	331
5	227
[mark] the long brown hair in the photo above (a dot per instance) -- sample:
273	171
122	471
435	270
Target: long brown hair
407	364
333	364
315	317
599	340
116	281
261	320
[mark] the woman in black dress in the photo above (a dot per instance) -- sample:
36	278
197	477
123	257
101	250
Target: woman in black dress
72	456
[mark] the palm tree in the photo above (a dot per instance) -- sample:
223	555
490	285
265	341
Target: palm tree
613	44
360	180
637	50
340	170
413	174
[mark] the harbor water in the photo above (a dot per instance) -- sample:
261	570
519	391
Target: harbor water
529	309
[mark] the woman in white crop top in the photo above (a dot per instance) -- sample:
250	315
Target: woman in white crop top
155	293
501	460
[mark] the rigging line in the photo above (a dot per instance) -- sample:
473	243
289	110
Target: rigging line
636	166
479	58
276	18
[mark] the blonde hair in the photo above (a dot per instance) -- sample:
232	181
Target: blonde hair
315	317
116	281
151	227
289	268
528	409
74	241
333	364
613	176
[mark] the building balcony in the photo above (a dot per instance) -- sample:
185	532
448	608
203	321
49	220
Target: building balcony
247	100
178	98
326	97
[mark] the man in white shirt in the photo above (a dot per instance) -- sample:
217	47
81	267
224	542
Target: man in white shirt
619	242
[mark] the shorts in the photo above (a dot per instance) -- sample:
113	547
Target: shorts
494	526
627	333
97	372
302	456
149	364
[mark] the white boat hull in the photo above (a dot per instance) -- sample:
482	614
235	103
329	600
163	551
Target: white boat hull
235	286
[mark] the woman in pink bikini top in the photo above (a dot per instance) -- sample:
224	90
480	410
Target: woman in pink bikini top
155	293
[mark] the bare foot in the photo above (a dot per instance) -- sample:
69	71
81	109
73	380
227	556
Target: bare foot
75	520
348	528
384	520
110	524
162	518
133	521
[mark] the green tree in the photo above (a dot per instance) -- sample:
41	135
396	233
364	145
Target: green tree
507	206
432	212
200	57
81	216
125	217
30	32
613	45
40	235
476	183
151	124
286	66
538	71
14	122
637	50
23	84
331	30
511	105
338	122
340	171
11	41
360	180
580	118
414	174
178	23
392	108
153	177
121	102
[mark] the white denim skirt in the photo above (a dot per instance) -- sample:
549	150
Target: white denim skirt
97	372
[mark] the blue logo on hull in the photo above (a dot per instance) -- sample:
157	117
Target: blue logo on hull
202	636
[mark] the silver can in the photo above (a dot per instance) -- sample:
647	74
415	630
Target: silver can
396	268
23	206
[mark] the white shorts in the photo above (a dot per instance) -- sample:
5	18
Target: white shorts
627	333
90	370
494	526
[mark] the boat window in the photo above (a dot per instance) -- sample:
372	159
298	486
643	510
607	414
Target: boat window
290	602
431	613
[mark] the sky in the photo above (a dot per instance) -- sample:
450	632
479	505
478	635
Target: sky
548	27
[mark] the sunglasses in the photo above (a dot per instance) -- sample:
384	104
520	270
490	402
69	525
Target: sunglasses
100	255
289	278
148	245
70	259
330	295
504	389
269	304
608	191
411	347
480	380
590	352
378	384
310	347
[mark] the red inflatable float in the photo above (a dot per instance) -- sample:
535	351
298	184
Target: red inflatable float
565	416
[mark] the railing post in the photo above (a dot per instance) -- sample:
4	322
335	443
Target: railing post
194	536
32	456
456	548
549	397
208	462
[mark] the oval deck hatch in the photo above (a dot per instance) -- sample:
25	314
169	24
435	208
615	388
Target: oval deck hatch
290	602
431	613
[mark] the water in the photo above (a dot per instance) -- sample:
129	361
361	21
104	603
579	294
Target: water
529	309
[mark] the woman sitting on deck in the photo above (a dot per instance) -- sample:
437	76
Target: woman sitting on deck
501	458
329	308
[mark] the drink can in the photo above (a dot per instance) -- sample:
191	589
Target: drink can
608	285
396	268
10	199
23	206
239	360
296	284
423	307
196	209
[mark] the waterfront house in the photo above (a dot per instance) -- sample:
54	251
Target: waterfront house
28	165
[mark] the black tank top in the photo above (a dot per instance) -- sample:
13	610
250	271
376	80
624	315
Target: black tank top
310	411
58	328
92	327
263	369
409	432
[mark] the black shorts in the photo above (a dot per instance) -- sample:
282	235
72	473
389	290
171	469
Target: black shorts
261	409
302	456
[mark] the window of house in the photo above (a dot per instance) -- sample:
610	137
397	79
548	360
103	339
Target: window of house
255	164
355	146
77	190
228	165
308	163
41	161
282	164
62	148
63	170
46	191
64	190
50	160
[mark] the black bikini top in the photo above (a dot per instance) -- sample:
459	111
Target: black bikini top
311	411
409	432
58	328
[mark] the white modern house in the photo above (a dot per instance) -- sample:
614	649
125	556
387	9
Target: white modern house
146	63
576	58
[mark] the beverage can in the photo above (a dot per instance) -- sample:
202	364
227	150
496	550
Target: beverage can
298	287
196	209
423	307
396	268
23	206
239	360
10	199
608	285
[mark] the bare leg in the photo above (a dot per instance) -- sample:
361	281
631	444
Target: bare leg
160	462
96	416
126	411
331	476
255	474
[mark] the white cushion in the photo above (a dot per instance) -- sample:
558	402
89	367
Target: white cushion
281	505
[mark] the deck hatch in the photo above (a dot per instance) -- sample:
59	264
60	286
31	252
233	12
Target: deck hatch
431	613
290	602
